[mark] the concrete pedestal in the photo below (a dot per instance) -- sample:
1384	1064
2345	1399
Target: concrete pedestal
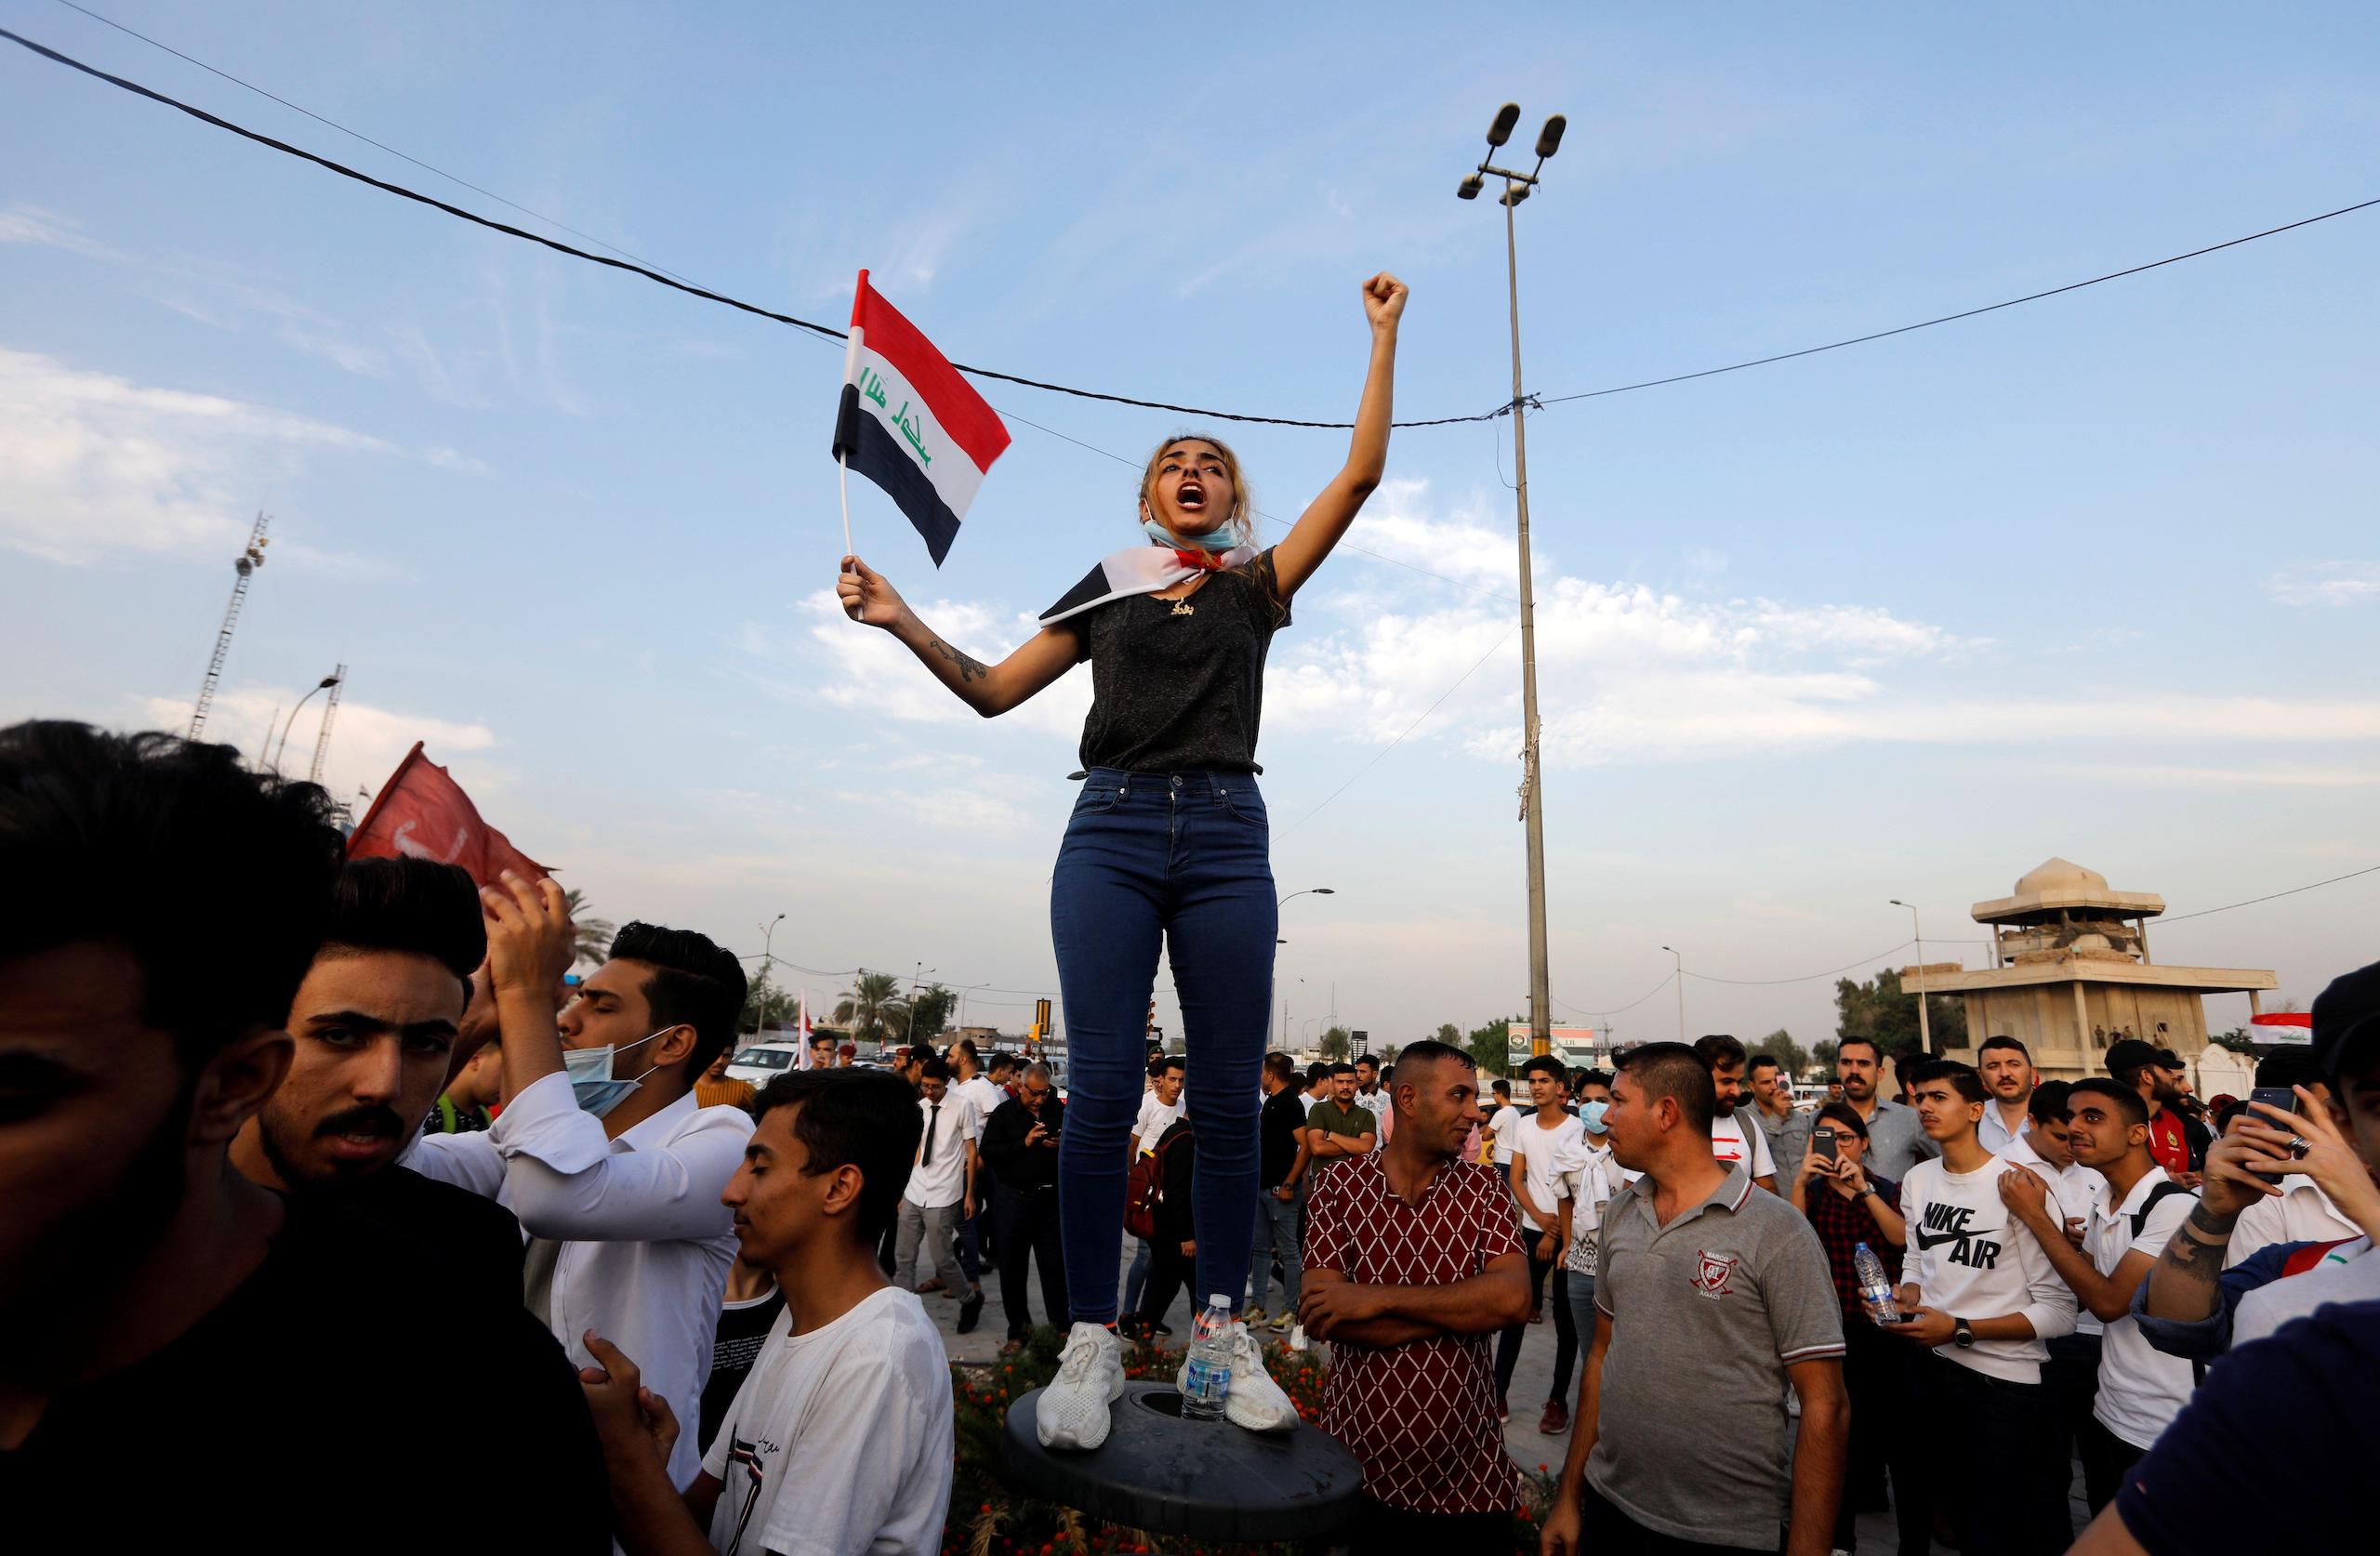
1208	1479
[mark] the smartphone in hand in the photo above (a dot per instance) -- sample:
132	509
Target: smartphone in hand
2280	1096
1822	1142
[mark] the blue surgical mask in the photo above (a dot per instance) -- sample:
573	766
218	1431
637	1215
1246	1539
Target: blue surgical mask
1223	539
591	1075
1591	1115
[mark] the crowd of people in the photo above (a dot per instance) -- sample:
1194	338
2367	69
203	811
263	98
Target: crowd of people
325	1187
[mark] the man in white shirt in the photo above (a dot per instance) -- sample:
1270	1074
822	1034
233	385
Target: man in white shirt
2140	1390
1731	1143
1318	1084
980	1082
1983	1296
2301	1212
1502	1118
2007	1072
1160	1105
941	1192
840	1441
612	1169
1543	1145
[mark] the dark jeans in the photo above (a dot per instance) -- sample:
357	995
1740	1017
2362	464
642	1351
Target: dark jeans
2106	1458
1604	1530
1024	1226
1886	1435
2018	1508
2072	1375
1395	1532
1565	1329
971	1251
1179	861
1169	1271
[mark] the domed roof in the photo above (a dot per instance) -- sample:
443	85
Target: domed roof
2060	874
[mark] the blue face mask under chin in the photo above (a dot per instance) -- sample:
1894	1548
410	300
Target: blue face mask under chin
1223	539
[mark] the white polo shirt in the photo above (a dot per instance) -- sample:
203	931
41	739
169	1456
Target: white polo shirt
2303	1213
2141	1389
2077	1190
1996	1134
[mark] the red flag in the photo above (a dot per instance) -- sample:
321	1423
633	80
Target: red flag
422	813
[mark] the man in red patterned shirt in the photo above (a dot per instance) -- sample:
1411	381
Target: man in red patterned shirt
1412	1263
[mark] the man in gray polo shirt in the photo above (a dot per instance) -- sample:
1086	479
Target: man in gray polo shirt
1711	1297
1896	1140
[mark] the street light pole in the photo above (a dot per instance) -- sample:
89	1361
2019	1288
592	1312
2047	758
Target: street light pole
1924	1032
1517	187
321	686
1677	971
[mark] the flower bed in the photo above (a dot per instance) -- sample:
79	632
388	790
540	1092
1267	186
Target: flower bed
988	1517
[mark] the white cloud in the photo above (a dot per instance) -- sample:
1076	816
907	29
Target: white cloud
835	661
92	465
2327	582
1629	674
367	740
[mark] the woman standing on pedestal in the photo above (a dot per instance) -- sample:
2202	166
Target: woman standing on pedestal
1168	843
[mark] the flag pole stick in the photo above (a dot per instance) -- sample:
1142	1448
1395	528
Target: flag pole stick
843	490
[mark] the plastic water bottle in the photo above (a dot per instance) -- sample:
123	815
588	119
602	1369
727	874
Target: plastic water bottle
1876	1286
1207	1379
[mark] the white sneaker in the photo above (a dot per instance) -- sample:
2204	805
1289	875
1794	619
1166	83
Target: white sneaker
1073	1412
1254	1401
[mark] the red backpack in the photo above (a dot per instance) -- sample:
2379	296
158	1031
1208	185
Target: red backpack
1144	1187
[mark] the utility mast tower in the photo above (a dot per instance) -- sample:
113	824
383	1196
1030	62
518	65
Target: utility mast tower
245	565
330	711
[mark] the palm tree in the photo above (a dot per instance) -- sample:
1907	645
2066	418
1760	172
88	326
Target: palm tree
873	1007
593	940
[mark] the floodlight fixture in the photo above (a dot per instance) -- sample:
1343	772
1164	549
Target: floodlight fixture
1501	130
1549	139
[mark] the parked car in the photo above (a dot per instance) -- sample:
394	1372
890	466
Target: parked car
763	1062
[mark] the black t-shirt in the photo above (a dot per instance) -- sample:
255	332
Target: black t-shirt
450	1229
1178	686
307	1414
1279	1130
2277	1439
742	1331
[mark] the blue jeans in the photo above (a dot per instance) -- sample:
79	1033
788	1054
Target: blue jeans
1279	1231
1182	860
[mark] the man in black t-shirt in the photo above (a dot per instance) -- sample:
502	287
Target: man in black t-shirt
1280	1193
187	1357
374	1023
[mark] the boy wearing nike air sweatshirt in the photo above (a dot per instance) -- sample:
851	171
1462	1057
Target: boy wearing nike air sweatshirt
1983	1296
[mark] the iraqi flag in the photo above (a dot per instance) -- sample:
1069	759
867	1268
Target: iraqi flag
910	423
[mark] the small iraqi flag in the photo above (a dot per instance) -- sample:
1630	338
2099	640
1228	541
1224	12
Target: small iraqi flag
910	423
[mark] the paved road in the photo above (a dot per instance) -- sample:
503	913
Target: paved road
1531	1379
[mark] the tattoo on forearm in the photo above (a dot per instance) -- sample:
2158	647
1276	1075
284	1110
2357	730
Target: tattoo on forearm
968	669
2195	1258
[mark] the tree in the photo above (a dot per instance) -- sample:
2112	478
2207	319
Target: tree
1451	1035
1334	1043
592	937
1779	1046
765	1005
874	1009
1880	1011
2237	1040
930	1012
1386	1053
1490	1047
1822	1054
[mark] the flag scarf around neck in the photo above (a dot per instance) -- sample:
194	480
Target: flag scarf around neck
1140	569
910	423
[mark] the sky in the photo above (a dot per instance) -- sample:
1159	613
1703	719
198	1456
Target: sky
2094	578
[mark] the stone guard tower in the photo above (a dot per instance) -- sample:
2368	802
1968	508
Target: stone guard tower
2071	974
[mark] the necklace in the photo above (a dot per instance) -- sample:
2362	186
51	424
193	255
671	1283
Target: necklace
1181	608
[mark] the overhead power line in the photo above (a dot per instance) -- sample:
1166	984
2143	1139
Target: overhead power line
2268	896
658	277
654	273
1965	313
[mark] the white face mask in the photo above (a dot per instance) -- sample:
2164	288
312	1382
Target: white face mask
591	1075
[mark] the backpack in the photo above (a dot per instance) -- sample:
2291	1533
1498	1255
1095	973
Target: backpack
2140	1217
1144	1187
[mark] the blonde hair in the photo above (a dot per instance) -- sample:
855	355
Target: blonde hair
1242	517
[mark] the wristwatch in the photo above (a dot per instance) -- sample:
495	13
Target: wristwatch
1962	1333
